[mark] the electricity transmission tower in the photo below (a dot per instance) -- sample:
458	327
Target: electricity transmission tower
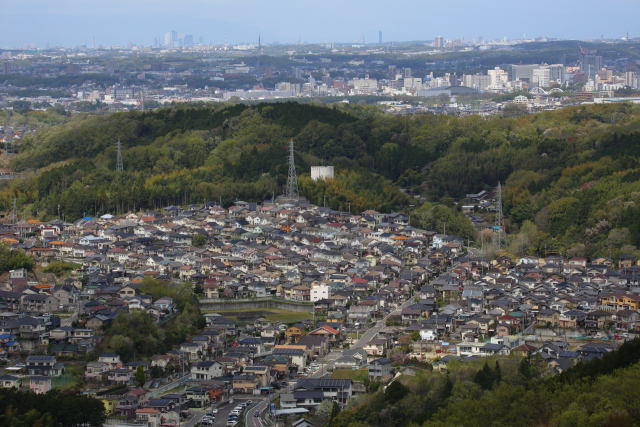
291	191
14	212
119	164
498	228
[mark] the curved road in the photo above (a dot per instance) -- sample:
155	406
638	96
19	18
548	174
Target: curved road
250	419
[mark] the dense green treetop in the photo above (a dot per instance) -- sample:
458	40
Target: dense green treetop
138	335
511	391
12	259
53	409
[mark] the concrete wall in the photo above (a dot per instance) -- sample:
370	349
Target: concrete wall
243	304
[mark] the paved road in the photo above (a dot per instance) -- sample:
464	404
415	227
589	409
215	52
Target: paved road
196	416
250	420
326	362
223	413
225	407
173	384
380	325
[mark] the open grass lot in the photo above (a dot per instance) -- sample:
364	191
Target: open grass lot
271	314
73	376
353	374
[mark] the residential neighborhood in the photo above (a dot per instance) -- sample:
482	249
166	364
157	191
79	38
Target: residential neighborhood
293	298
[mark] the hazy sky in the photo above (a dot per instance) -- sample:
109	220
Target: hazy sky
76	22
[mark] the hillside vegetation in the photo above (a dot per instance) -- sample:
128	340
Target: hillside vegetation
507	392
571	177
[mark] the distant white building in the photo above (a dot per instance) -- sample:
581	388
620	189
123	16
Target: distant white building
319	292
476	81
521	99
19	273
365	85
480	349
321	172
631	79
412	83
541	76
498	78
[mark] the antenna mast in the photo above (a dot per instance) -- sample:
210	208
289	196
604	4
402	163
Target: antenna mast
119	163
260	53
498	228
291	191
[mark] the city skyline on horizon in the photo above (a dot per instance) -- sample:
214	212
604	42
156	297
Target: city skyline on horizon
68	23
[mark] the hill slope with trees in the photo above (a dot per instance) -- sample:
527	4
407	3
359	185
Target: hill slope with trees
571	178
508	392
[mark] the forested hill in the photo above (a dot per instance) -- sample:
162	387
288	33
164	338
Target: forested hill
506	392
571	177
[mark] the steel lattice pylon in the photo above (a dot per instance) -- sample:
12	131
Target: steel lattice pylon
291	192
